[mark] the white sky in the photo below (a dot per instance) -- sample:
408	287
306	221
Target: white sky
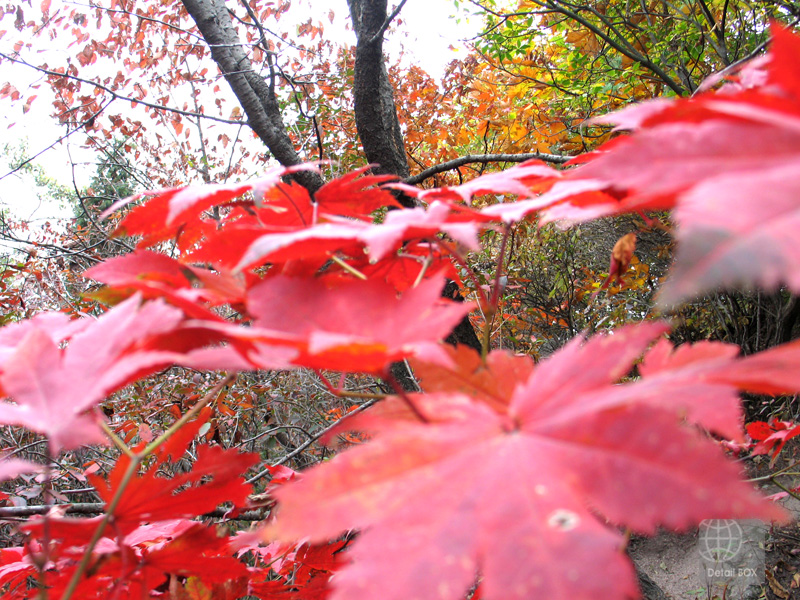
426	34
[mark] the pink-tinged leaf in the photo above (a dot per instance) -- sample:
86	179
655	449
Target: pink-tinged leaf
738	230
140	265
57	325
357	326
774	371
634	116
248	348
673	386
156	275
568	452
689	373
346	235
585	200
522	180
751	74
11	468
52	387
417	223
655	164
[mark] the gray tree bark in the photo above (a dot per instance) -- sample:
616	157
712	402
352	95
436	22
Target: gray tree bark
376	116
379	129
256	95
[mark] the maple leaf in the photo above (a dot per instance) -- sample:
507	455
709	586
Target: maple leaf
52	387
355	196
197	551
14	467
143	558
771	437
354	326
15	568
159	276
166	212
522	180
402	270
771	372
491	381
57	325
357	326
346	235
568	451
726	239
215	478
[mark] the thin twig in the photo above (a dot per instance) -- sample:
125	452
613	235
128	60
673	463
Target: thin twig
314	438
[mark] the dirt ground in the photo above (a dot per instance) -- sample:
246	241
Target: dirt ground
673	560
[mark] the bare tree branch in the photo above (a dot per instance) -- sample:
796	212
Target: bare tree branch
117	95
96	508
387	22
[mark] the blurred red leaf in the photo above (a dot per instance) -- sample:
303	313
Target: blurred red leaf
432	497
53	387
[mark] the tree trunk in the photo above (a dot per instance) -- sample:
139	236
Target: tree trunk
376	115
379	128
256	96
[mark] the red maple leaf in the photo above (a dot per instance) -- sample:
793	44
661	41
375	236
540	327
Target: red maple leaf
355	326
52	387
216	477
346	235
771	437
158	276
354	196
167	212
523	180
141	560
569	452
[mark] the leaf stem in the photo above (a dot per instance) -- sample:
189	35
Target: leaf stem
461	261
41	562
392	381
136	460
494	299
118	442
350	269
101	527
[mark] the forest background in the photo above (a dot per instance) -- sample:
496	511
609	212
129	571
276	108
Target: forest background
168	94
